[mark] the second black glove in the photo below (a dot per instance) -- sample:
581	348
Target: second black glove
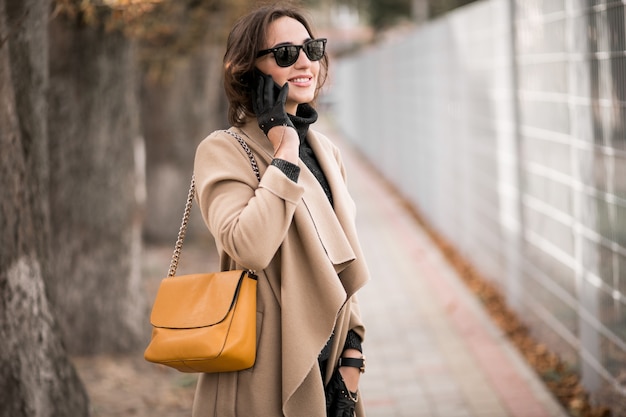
340	402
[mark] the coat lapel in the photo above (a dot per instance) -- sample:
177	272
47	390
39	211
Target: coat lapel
329	229
352	274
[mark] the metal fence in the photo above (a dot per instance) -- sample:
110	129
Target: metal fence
505	124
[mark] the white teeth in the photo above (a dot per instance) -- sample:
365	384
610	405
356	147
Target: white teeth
299	80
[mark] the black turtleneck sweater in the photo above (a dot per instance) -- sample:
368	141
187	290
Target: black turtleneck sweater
304	117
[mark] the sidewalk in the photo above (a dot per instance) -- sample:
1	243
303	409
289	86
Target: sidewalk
431	349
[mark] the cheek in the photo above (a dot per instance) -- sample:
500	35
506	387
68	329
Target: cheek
316	70
279	79
270	68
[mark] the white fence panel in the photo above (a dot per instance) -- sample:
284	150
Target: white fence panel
505	124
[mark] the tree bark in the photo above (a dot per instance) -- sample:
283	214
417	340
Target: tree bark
36	378
95	188
179	110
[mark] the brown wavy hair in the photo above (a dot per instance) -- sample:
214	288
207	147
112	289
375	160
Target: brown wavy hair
245	40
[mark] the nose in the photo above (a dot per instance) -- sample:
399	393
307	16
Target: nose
303	60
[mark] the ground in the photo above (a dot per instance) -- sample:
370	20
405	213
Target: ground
131	387
127	385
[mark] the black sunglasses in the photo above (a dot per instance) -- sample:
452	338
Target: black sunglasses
287	55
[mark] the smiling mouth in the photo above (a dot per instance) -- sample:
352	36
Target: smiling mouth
300	80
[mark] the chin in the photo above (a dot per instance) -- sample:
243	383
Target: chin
303	99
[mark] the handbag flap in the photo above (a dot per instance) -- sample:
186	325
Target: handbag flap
196	300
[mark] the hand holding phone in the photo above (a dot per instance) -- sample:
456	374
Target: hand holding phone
268	102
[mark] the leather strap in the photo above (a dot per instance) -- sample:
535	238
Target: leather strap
353	363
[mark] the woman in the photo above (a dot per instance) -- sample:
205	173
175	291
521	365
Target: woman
295	228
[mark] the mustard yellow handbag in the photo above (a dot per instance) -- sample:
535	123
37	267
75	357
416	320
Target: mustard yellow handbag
204	322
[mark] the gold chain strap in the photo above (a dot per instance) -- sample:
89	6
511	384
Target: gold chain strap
245	147
190	196
183	229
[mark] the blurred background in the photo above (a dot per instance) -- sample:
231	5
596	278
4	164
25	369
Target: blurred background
502	122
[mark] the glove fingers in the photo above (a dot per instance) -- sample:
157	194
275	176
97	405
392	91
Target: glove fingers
258	93
268	96
282	96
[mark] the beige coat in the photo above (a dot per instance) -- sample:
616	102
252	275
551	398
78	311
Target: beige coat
309	262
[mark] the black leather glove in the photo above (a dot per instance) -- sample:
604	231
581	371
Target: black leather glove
340	402
268	102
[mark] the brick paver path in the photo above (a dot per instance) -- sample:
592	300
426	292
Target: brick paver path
431	349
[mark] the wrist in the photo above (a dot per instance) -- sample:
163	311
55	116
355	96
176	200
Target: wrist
351	353
285	142
351	377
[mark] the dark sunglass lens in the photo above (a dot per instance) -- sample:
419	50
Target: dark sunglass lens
314	49
286	55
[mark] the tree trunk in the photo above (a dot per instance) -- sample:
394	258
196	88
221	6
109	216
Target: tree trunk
36	378
95	140
179	110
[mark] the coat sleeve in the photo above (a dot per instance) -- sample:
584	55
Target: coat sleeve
248	219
